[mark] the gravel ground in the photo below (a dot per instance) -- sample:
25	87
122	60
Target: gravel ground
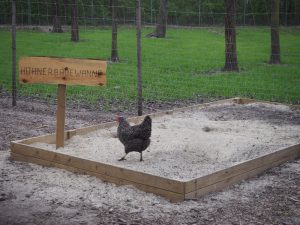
32	194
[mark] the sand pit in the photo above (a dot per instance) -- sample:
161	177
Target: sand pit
197	142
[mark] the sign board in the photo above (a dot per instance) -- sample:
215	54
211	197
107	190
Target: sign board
63	72
67	71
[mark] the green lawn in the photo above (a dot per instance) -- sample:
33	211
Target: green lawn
185	65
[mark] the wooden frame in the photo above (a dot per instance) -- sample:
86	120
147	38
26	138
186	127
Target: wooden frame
173	190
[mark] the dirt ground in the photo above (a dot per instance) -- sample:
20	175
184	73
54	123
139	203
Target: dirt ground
32	194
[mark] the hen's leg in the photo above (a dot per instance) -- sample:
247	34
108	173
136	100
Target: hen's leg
141	158
123	158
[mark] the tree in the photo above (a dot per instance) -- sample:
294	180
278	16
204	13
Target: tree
231	62
114	25
74	26
161	27
275	44
56	18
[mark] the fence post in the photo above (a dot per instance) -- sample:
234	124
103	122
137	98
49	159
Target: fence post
286	9
139	58
199	13
29	12
13	38
151	12
245	6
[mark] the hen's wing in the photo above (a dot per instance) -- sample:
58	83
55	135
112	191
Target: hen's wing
124	130
143	130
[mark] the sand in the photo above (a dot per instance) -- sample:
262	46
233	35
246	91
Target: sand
194	143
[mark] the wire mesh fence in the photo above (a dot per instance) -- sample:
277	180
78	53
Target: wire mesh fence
186	65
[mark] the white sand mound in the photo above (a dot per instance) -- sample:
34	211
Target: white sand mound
190	144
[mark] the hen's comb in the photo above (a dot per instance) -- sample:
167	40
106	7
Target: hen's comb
118	118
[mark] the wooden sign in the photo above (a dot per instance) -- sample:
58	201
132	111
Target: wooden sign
63	72
66	71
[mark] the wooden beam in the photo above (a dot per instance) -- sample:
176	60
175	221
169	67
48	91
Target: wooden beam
224	183
243	100
266	160
50	138
60	115
101	168
173	197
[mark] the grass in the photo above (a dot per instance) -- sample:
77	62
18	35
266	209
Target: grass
185	65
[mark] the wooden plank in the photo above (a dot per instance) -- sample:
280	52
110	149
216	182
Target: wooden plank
86	130
137	119
195	184
50	138
69	71
97	167
60	115
238	100
174	197
236	179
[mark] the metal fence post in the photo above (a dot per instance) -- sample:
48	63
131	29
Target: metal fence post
13	38
199	13
139	58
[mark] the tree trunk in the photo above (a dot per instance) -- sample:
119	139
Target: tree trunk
56	18
66	11
231	63
74	26
275	44
161	27
114	25
29	12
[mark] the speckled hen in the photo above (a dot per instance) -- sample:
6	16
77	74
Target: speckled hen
134	138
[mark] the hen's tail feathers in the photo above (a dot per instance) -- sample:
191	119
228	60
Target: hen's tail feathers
147	121
146	126
148	118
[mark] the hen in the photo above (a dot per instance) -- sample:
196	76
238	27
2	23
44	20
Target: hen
134	138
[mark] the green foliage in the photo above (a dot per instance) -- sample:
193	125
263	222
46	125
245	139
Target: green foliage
187	13
185	65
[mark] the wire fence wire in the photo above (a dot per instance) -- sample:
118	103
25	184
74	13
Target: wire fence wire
186	65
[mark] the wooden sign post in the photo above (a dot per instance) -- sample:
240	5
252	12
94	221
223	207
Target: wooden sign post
60	115
63	72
